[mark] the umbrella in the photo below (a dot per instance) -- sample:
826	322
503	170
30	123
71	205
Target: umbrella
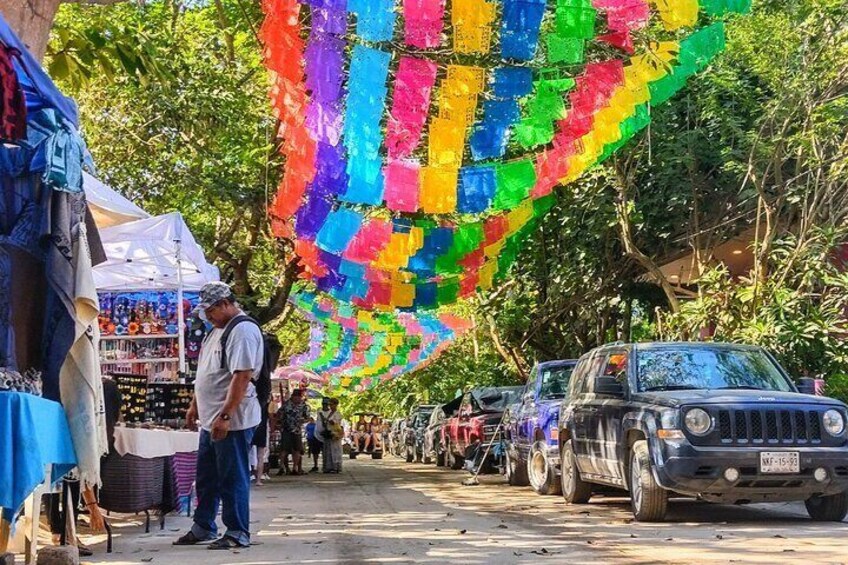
296	374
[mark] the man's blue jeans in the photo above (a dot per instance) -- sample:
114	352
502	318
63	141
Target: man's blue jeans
223	476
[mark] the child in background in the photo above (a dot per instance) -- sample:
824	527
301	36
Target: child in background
313	443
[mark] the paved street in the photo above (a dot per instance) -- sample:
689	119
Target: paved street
390	512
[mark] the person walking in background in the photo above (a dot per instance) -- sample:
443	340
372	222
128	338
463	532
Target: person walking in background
227	408
278	426
260	442
294	415
330	431
260	437
313	444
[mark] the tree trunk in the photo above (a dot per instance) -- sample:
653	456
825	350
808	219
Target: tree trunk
32	21
508	355
622	208
627	321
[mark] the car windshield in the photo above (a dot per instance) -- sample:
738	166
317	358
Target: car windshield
708	368
555	381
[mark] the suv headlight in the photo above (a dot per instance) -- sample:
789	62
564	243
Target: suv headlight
698	422
834	422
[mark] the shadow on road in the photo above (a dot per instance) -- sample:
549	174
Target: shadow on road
392	512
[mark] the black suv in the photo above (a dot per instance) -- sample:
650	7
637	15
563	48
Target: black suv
720	422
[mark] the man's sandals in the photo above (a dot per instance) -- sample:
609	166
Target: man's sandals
227	542
190	539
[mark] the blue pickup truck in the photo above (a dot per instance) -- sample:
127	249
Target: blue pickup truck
532	430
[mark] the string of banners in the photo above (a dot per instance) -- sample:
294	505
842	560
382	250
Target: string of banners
418	155
355	349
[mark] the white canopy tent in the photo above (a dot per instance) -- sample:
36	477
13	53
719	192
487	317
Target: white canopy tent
157	253
107	206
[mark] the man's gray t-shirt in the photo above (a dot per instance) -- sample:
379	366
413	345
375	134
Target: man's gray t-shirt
245	352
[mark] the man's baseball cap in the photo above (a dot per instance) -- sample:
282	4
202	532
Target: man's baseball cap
211	294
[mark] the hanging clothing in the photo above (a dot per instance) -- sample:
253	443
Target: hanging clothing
48	246
47	252
39	90
80	379
13	114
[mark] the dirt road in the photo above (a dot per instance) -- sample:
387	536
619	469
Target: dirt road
390	512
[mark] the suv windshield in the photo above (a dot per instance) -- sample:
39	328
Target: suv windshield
708	368
555	382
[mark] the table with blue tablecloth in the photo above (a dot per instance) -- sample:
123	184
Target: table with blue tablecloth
34	438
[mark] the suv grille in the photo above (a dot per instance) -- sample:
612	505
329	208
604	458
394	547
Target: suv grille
745	427
489	432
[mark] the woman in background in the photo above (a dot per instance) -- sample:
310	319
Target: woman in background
329	430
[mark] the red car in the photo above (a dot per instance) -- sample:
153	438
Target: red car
476	420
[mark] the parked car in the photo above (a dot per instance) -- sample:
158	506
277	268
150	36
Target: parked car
477	419
532	428
416	424
433	433
397	436
720	422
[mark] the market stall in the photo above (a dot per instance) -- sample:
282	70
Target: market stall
108	207
147	288
50	390
150	344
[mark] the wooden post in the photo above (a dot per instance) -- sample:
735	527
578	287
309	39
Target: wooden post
5	534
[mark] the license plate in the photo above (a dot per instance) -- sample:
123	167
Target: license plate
780	462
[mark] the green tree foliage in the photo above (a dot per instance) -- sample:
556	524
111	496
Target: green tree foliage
470	362
183	124
758	141
174	108
798	312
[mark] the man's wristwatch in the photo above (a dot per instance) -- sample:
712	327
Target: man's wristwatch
225	417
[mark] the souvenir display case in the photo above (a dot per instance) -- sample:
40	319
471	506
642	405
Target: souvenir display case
140	347
167	403
133	396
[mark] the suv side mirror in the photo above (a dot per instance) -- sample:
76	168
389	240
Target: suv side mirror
806	385
608	386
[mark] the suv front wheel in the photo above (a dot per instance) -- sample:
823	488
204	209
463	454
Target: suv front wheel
541	471
574	489
648	499
832	508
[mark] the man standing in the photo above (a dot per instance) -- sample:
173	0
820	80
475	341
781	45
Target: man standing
227	409
294	414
